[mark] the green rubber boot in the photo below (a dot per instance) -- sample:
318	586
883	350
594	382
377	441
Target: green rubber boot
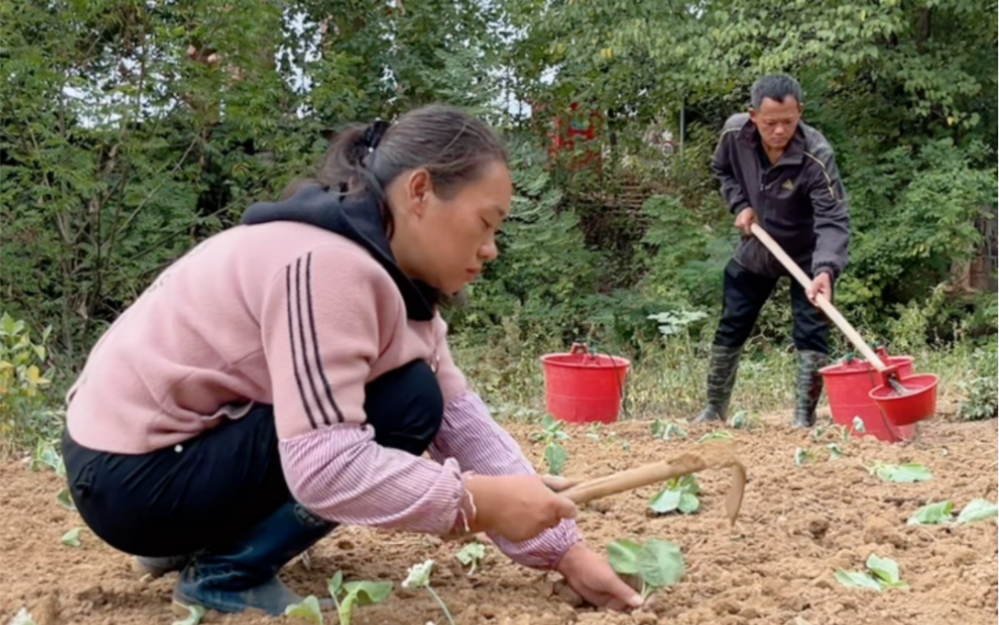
809	387
721	380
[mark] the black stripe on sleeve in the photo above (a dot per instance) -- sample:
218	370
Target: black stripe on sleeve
302	336
294	358
315	341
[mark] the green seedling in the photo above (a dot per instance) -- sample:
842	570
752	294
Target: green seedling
666	430
307	609
942	512
65	500
885	575
594	430
194	615
419	577
901	473
835	452
742	420
978	510
350	594
658	563
720	435
71	538
45	455
551	432
679	494
801	456
472	555
555	458
346	596
932	514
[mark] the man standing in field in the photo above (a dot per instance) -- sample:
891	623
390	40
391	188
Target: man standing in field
780	173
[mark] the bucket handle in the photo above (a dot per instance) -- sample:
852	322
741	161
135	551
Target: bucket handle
583	347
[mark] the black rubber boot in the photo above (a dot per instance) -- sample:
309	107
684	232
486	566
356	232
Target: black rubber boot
244	575
158	567
721	380
809	387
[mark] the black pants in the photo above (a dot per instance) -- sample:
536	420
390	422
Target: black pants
744	296
203	492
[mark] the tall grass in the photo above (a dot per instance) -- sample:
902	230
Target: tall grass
668	381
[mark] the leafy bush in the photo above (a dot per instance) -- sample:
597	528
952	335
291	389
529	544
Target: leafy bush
24	419
981	393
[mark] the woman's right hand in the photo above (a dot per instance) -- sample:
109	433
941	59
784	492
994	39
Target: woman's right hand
516	507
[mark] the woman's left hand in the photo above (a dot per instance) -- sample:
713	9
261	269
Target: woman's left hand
590	575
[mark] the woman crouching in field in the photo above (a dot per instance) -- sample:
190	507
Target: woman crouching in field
286	376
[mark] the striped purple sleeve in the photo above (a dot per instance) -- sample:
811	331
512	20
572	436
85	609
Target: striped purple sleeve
470	435
340	473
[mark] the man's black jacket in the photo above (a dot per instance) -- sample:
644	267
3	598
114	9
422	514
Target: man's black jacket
800	200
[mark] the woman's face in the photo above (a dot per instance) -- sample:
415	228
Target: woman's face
445	241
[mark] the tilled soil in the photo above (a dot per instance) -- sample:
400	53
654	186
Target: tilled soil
799	524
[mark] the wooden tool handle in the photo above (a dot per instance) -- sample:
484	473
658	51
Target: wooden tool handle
645	475
822	302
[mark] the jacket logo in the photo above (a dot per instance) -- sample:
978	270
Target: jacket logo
788	185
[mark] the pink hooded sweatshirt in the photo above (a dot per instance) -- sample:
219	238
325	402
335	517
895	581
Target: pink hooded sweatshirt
300	307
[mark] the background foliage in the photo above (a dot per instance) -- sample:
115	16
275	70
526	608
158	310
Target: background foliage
132	129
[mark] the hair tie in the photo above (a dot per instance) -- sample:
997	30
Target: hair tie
373	134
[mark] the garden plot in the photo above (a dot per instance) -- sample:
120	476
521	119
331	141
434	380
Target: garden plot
833	530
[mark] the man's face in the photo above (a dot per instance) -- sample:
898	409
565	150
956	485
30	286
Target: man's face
776	121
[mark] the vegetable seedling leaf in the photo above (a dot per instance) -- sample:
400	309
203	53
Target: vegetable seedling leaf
660	563
307	609
740	420
720	435
361	594
471	554
334	584
835	452
555	458
623	556
857	579
903	473
71	538
665	501
419	575
65	500
978	510
369	593
801	456
932	514
858	425
885	569
196	612
689	503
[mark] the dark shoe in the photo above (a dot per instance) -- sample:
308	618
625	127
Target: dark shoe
809	387
243	576
721	380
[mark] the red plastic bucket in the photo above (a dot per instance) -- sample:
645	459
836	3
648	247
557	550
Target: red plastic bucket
918	403
848	386
581	387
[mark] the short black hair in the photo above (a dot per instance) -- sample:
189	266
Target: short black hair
777	87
